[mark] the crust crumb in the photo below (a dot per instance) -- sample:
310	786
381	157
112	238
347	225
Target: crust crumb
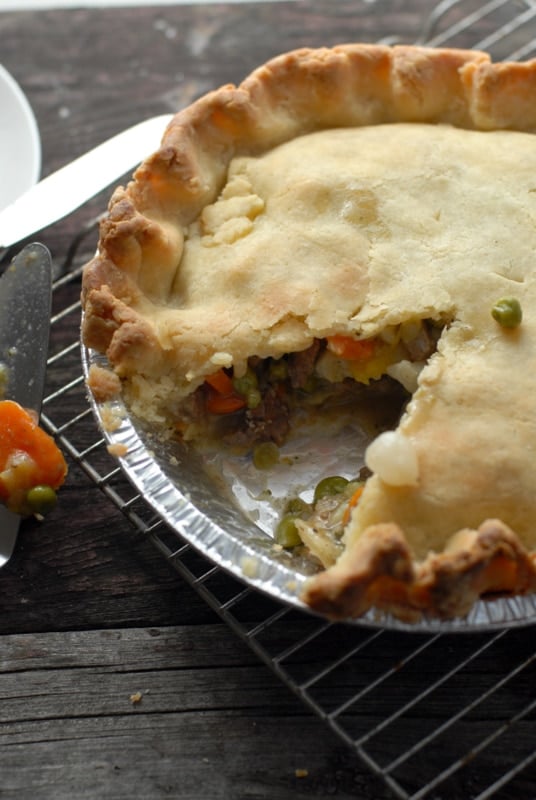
103	383
118	450
249	566
111	419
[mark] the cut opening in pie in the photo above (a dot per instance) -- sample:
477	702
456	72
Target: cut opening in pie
336	374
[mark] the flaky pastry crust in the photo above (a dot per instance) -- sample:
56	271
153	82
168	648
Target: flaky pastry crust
468	528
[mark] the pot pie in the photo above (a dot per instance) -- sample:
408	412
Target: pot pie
347	221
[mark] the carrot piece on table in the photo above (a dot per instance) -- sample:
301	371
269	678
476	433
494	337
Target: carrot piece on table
351	349
29	457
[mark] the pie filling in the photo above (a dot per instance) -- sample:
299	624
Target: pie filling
270	399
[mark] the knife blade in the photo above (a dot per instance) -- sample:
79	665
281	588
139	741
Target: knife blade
74	184
25	306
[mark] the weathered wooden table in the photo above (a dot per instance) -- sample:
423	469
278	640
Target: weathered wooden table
117	678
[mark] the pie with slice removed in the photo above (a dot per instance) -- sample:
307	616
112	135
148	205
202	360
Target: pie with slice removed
346	223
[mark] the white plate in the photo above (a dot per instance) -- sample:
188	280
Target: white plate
20	146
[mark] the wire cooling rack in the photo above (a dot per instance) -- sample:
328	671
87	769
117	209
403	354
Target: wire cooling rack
420	710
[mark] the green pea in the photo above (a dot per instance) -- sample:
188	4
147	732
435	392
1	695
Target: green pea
507	312
247	385
265	455
327	487
286	533
246	382
278	370
297	506
253	398
41	499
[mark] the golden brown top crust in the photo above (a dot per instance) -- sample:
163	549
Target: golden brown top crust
142	239
381	572
406	175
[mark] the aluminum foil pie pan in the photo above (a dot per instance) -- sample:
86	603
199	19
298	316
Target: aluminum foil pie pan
226	508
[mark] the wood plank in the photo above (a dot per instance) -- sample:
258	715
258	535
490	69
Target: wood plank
212	721
191	756
126	650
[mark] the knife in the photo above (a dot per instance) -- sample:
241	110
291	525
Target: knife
71	186
25	304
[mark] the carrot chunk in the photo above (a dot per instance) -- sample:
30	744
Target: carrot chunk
221	382
351	349
224	404
29	457
353	501
222	397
